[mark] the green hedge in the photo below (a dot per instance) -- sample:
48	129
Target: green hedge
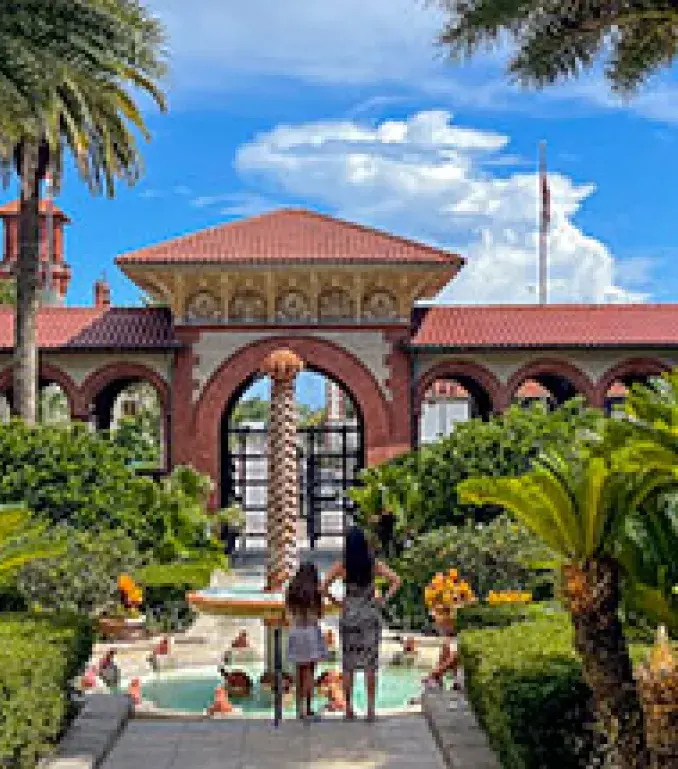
525	684
39	655
478	616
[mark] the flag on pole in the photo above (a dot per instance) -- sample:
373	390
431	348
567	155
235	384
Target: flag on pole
545	191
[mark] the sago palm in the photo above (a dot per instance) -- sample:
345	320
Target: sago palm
66	71
22	541
578	505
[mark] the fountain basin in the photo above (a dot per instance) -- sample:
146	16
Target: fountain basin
190	692
245	602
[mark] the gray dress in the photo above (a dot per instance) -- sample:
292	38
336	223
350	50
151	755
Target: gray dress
360	628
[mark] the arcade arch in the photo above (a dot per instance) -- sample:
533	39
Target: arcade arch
561	379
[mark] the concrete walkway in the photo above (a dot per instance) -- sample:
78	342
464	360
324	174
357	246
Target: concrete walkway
392	743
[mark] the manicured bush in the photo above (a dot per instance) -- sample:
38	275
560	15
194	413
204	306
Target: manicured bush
83	579
478	616
500	555
165	589
39	655
525	684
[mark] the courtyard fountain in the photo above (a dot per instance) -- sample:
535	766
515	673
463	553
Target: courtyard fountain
268	602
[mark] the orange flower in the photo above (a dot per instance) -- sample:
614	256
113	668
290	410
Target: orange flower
126	583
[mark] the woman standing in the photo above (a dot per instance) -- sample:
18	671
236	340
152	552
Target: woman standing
360	624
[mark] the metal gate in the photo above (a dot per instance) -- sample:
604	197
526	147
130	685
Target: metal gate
330	457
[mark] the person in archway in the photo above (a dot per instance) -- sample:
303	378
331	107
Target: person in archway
360	623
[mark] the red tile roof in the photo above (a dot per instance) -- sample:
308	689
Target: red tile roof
12	209
293	235
91	328
575	325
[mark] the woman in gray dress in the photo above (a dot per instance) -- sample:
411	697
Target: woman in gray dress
360	624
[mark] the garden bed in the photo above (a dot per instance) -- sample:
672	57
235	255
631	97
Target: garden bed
39	655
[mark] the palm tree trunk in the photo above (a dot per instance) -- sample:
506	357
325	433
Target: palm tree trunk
27	288
592	595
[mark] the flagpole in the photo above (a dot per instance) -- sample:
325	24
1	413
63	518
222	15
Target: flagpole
543	225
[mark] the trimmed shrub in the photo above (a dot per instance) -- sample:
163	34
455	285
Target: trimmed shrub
478	616
525	684
500	555
39	655
84	579
165	589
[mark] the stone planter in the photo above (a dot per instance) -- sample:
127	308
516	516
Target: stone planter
122	628
446	622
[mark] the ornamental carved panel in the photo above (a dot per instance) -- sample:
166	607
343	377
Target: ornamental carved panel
203	306
380	305
292	306
335	304
248	307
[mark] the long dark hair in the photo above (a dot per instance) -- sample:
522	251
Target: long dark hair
358	559
303	593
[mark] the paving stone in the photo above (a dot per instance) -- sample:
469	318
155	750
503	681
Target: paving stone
106	706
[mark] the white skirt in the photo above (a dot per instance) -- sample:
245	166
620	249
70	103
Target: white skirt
305	644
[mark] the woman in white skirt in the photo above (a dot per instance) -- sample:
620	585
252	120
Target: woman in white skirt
305	643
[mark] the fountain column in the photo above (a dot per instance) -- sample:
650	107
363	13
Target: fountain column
283	473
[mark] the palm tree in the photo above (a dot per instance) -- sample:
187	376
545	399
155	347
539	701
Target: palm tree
557	40
21	541
578	505
66	71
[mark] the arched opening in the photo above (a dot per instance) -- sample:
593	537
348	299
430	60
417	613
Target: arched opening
615	384
57	396
330	452
552	381
130	404
530	392
454	392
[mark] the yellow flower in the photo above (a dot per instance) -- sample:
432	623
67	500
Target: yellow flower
453	574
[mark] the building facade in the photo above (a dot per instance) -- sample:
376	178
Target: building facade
348	299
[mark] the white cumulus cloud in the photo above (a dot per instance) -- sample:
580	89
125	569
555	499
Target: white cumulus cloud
427	178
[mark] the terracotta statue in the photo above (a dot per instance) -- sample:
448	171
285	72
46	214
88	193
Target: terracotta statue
221	705
336	702
109	672
162	647
134	691
238	683
241	641
448	662
89	679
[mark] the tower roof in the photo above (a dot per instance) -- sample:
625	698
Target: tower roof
12	209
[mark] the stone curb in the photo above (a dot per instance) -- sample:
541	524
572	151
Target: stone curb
461	741
93	733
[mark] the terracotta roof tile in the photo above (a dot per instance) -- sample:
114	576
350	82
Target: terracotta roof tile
12	209
295	235
91	328
575	325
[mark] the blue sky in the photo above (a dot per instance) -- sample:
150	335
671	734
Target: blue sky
348	108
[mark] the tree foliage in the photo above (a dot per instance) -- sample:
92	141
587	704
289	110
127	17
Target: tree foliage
555	40
69	475
421	486
22	541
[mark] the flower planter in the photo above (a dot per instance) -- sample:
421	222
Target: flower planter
122	628
446	623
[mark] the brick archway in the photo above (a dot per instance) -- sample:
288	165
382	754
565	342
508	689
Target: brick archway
53	375
380	420
472	376
124	371
552	368
628	371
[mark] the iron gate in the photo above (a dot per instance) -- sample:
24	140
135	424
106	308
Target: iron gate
330	457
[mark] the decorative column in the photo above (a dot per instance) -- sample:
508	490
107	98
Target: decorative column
283	474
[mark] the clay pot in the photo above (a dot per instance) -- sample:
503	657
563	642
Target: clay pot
122	628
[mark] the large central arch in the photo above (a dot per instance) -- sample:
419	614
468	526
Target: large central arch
320	355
